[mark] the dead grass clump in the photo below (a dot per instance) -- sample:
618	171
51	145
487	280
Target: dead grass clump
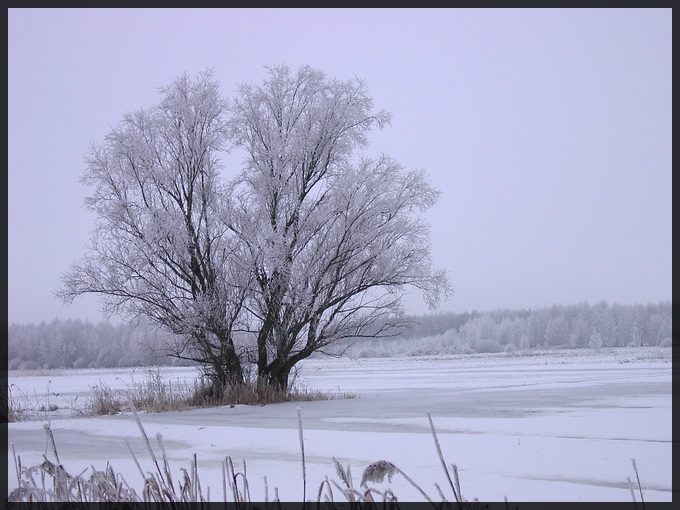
15	411
104	401
157	394
21	406
252	393
49	482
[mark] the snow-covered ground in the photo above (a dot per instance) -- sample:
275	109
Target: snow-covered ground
561	426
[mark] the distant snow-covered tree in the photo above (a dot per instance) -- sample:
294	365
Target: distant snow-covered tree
478	330
596	341
557	332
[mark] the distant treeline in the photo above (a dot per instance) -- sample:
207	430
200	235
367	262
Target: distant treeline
81	344
559	326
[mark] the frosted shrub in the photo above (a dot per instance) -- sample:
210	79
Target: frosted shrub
666	342
488	345
459	345
29	365
466	349
80	363
596	341
510	348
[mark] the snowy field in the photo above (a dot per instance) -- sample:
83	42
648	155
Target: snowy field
559	426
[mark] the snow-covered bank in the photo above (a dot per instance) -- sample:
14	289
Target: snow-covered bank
560	426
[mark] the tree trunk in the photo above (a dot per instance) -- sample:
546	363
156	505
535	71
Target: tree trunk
280	381
277	376
226	367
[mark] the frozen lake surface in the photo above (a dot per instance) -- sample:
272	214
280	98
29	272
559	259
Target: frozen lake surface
560	426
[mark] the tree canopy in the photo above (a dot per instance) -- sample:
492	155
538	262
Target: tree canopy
310	243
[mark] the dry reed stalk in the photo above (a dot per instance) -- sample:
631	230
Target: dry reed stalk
456	479
302	448
166	464
345	475
239	497
632	490
224	480
232	479
146	440
441	494
325	483
134	457
266	492
50	438
441	458
17	464
637	475
106	486
377	471
349	492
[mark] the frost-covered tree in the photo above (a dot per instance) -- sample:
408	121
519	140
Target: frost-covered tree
557	331
310	244
478	330
159	250
334	238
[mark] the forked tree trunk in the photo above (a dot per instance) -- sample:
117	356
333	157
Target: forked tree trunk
280	380
227	369
275	376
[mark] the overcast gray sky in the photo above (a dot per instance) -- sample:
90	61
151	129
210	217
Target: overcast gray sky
548	132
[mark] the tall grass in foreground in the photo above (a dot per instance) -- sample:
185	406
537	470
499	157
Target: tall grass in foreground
50	482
